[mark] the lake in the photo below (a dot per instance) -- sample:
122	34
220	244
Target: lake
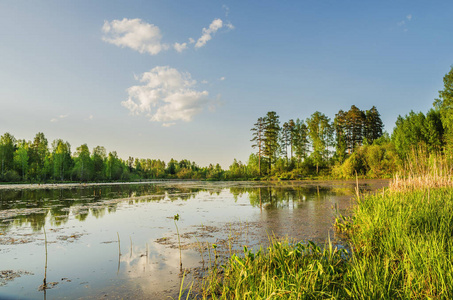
120	241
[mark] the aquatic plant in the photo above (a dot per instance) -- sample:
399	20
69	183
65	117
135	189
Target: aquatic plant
44	282
176	218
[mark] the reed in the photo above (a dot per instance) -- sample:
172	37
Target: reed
44	282
176	218
400	247
422	170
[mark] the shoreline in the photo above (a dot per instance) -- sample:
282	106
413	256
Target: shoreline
321	182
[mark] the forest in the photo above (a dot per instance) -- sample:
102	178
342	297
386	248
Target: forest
354	142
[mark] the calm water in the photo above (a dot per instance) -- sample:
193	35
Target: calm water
83	224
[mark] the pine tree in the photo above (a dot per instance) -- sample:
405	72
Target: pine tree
285	140
373	125
258	139
271	133
291	126
355	120
340	128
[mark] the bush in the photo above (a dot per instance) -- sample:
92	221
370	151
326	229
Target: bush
11	176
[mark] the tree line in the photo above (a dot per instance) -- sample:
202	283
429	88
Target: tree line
354	142
35	161
314	143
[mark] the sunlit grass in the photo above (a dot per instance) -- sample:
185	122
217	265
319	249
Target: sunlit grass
400	247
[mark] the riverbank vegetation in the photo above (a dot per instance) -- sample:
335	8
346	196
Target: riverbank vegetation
353	143
399	247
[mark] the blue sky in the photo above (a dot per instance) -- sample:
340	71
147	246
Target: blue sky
108	72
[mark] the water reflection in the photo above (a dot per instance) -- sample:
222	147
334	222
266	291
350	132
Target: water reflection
32	207
83	222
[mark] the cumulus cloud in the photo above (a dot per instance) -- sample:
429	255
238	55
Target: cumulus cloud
135	34
166	95
208	32
222	78
180	47
147	38
409	17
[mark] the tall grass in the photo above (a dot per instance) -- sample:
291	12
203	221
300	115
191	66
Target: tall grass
285	270
424	169
400	247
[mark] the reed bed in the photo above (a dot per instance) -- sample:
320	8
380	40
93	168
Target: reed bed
400	247
423	170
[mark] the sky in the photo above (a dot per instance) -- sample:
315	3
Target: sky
188	79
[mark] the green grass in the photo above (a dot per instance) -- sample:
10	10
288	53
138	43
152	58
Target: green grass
401	248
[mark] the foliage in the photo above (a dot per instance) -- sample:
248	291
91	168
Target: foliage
258	139
445	105
271	134
415	129
373	161
320	134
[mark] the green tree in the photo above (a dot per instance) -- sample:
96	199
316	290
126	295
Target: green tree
98	156
285	138
355	120
7	149
113	167
291	127
258	139
172	167
373	125
38	152
340	127
300	140
433	130
271	133
445	106
62	160
21	158
408	133
320	133
83	165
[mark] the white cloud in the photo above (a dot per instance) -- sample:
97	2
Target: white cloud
405	22
180	47
229	26
147	38
166	95
60	117
226	9
208	32
204	81
135	34
222	78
